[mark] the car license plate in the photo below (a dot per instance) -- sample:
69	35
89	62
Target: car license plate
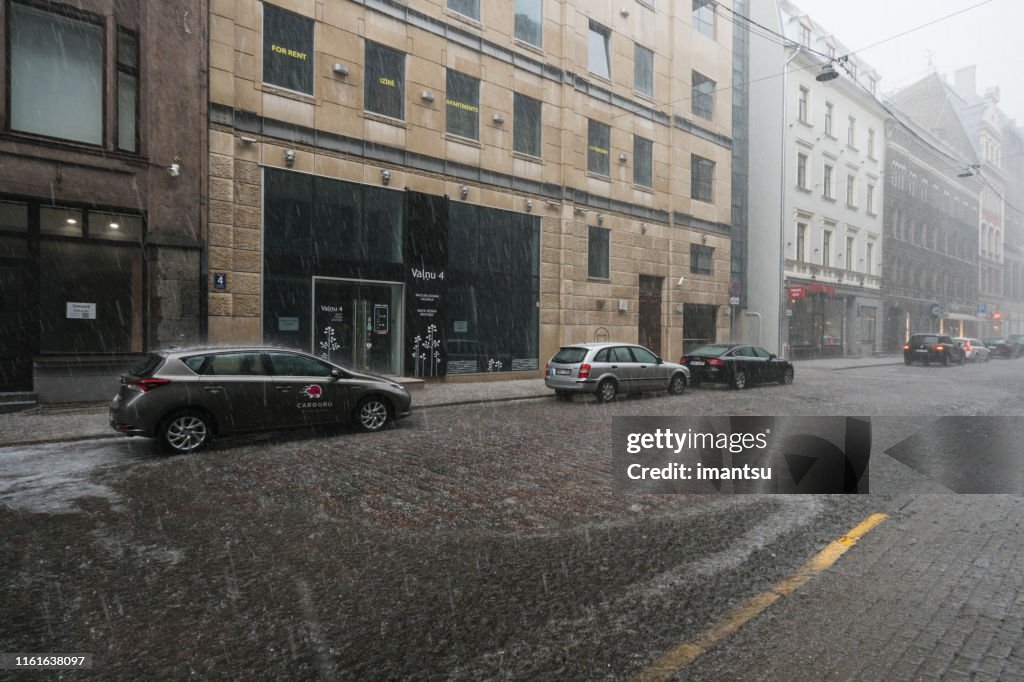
696	363
562	372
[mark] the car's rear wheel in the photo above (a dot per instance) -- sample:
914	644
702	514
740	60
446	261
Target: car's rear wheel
185	431
607	390
677	384
372	414
787	376
739	379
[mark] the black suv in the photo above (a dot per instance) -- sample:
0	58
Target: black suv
928	348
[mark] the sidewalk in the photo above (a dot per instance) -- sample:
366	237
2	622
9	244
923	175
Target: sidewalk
63	423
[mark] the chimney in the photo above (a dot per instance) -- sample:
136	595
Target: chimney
965	81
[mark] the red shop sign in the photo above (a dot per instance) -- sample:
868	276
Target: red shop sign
796	293
821	289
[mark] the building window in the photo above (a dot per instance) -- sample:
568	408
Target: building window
801	170
826	248
805	35
643	162
704	17
702	174
599	60
526	125
56	75
598	252
869	203
702	96
869	257
851	190
852	68
529	21
127	91
598	143
826	182
829	108
801	242
701	259
287	50
462	105
830	50
643	70
802	104
468	8
385	81
851	132
871	143
849	252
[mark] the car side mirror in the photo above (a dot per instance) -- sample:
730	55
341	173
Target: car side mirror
337	374
771	356
658	360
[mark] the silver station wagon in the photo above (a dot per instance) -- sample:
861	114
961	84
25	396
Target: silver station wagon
186	397
607	369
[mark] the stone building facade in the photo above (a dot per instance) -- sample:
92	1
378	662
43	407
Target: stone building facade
102	188
448	187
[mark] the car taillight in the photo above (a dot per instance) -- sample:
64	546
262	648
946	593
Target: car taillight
584	371
716	362
683	360
967	345
547	368
144	385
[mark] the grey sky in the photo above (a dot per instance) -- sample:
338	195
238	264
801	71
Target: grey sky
988	36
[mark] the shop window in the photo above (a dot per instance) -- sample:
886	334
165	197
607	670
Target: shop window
288	213
529	21
63	222
468	8
127	91
598	143
115	226
643	161
598	252
702	259
702	96
287	50
286	305
599	56
462	111
643	70
384	81
702	175
56	75
526	125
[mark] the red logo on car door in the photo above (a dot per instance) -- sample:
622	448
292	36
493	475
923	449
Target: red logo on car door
312	391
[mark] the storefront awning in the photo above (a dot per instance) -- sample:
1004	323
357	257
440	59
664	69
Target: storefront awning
965	318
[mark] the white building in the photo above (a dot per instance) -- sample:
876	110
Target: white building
816	191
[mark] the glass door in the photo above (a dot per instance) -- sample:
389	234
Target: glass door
357	324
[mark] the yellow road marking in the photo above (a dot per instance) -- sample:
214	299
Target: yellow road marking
687	652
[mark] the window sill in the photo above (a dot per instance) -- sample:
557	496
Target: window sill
468	141
852	148
271	89
852	207
528	157
645	97
702	200
604	280
828	198
73	146
381	118
462	18
872	214
519	42
599	176
805	190
643	188
806	124
603	79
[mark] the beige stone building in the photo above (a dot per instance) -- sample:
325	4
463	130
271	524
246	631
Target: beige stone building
446	187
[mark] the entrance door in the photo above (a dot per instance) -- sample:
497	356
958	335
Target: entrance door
357	324
649	330
16	324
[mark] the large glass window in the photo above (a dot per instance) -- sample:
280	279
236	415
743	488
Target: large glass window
643	70
127	91
469	8
701	259
704	17
526	125
598	252
384	87
56	75
529	21
702	177
462	99
598	147
702	96
287	50
599	56
643	162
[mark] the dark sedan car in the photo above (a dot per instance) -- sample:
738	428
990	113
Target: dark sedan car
737	365
186	397
929	348
1008	347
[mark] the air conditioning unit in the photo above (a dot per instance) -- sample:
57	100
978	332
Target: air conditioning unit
623	305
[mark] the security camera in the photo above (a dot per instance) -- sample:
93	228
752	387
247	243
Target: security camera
174	170
681	281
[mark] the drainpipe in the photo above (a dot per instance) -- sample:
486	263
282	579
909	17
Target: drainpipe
782	200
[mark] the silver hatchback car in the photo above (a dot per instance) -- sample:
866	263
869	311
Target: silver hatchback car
186	397
607	369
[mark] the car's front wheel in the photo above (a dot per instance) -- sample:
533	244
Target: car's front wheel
607	390
185	431
677	384
372	414
787	376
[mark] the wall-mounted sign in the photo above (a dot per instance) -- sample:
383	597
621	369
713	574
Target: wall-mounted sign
734	300
81	311
380	318
796	293
461	326
220	280
288	324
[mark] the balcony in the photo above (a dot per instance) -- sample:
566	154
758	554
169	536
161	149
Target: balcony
822	273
